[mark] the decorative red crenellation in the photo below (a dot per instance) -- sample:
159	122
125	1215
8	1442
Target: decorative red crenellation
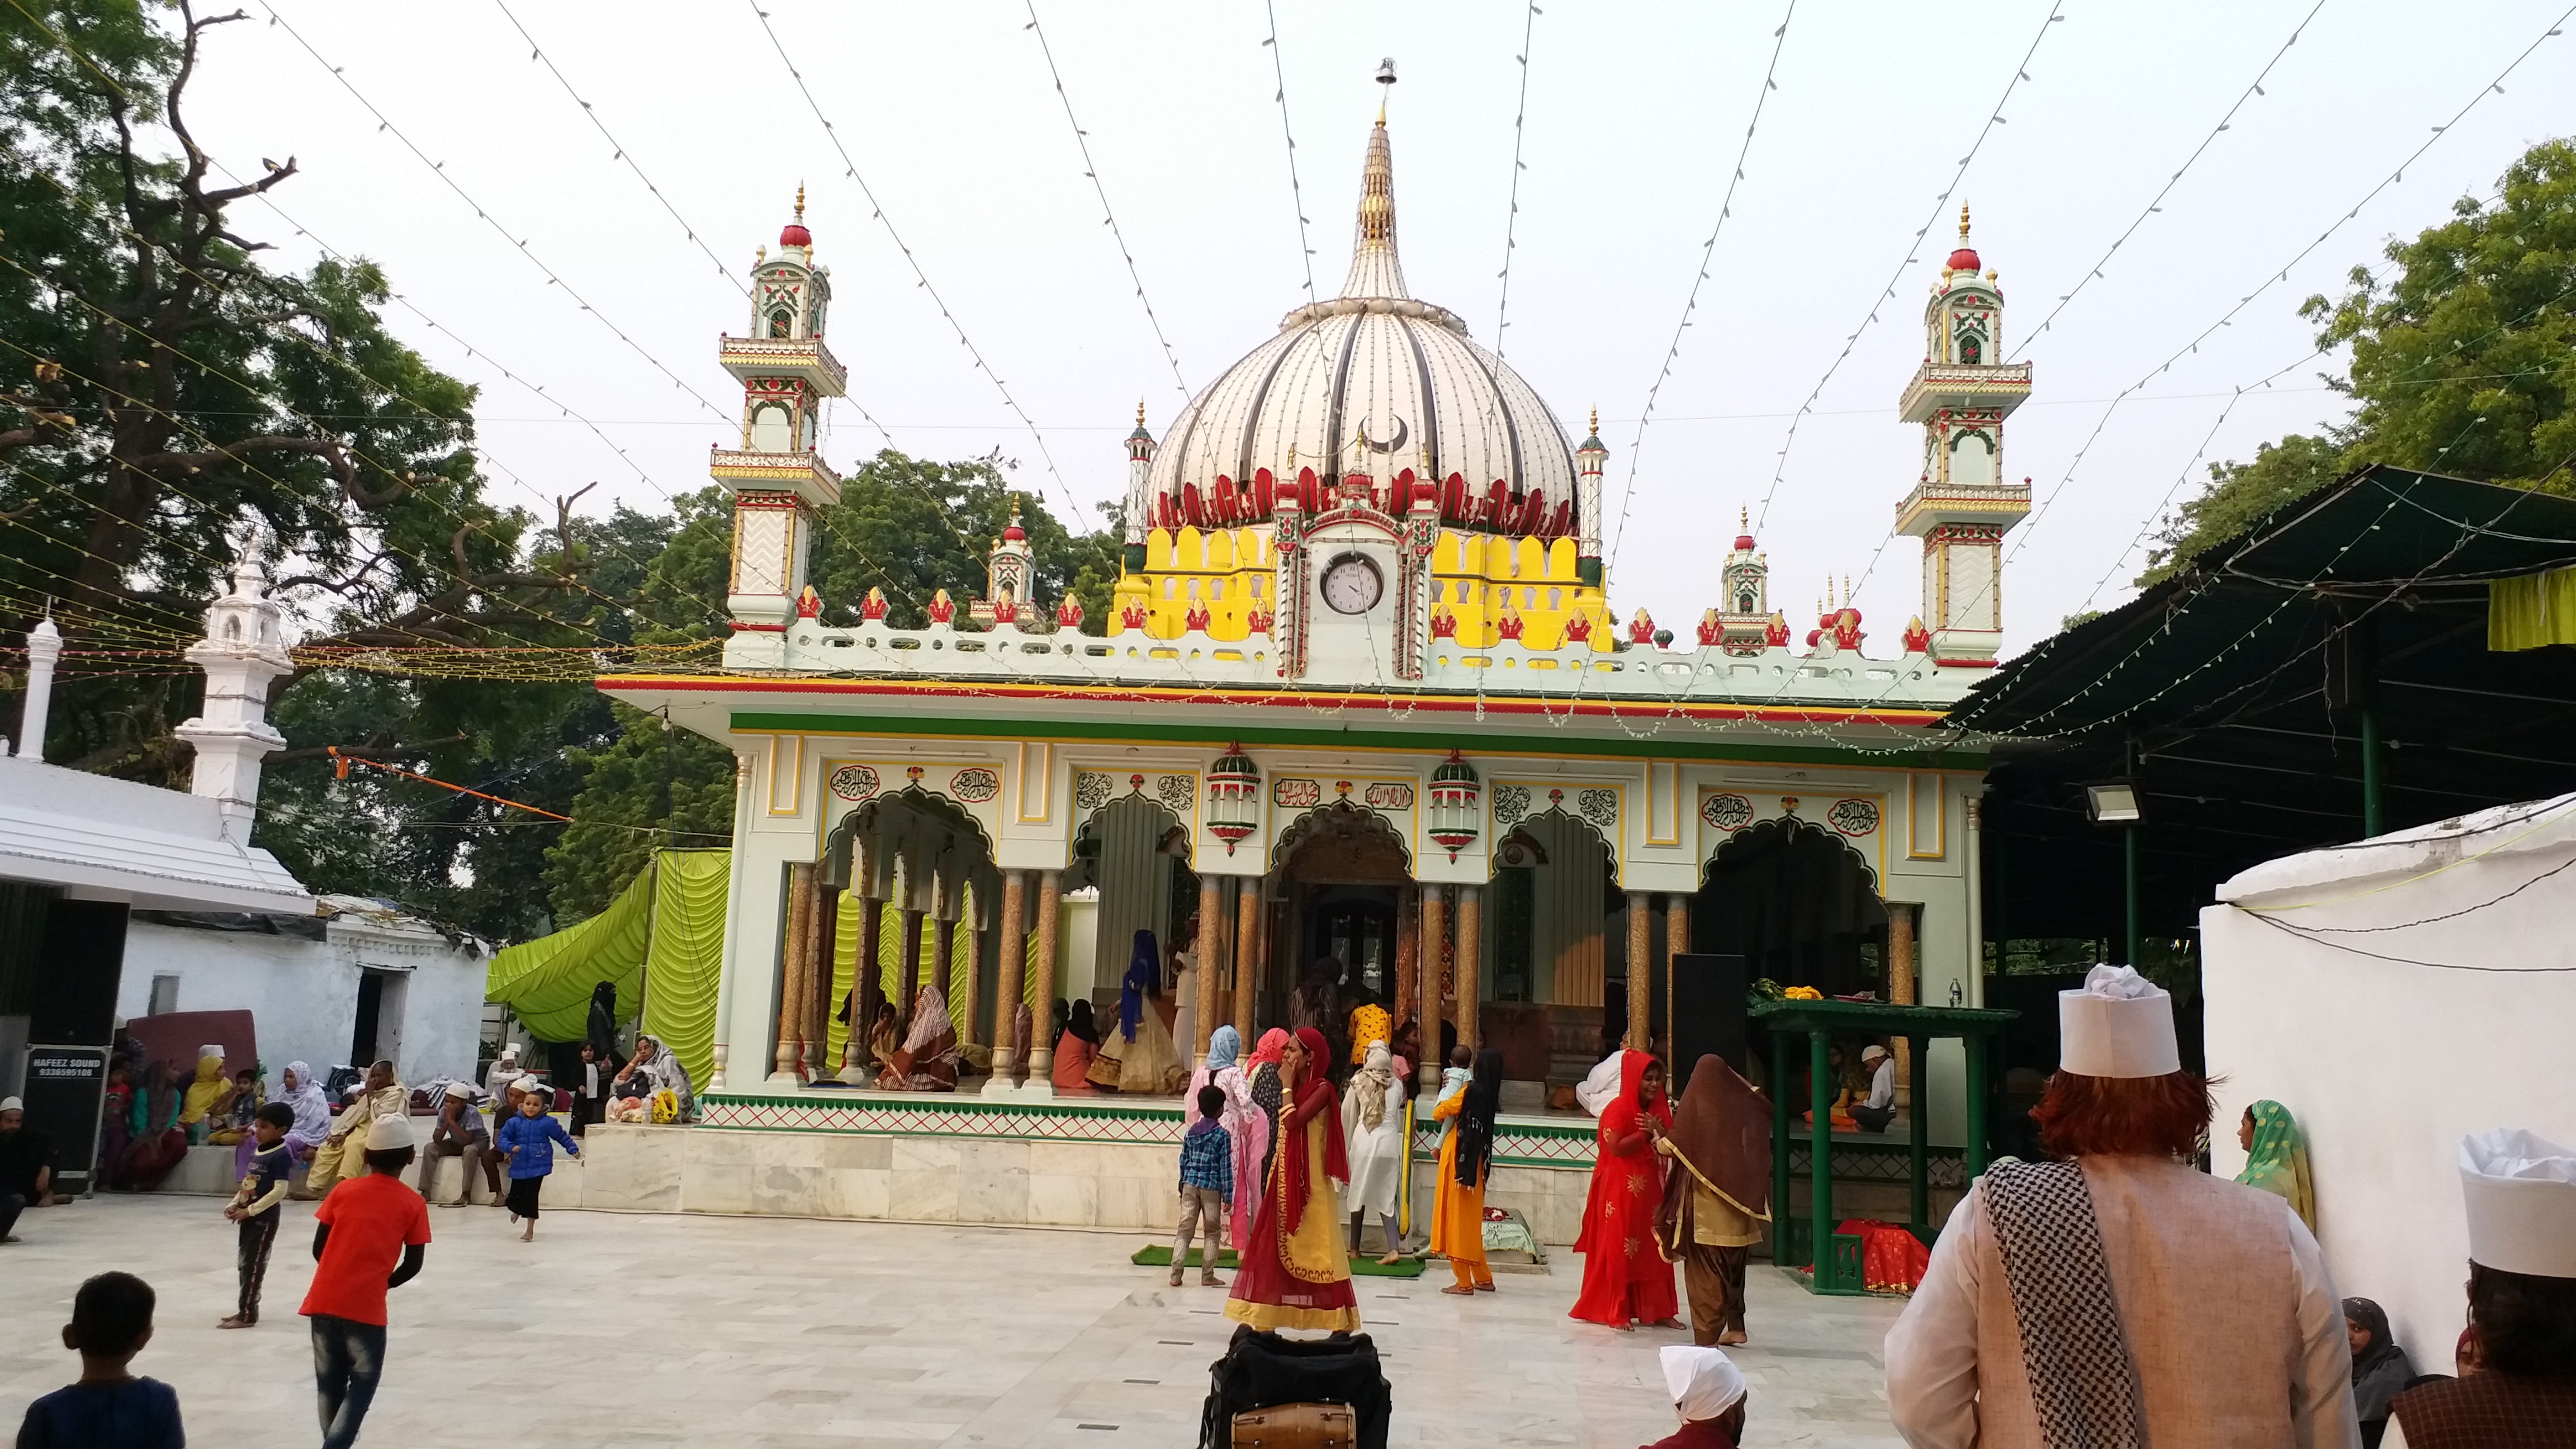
943	609
1918	640
1578	629
1709	628
1641	629
1444	624
1132	616
874	606
1198	618
1068	613
1775	635
809	604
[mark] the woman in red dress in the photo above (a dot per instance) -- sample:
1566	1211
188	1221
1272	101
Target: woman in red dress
1625	1278
1296	1272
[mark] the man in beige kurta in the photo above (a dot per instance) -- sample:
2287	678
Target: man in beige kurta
2222	1303
2237	1330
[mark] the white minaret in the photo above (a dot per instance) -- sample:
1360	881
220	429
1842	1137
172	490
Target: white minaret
777	478
44	646
1587	504
244	648
1962	506
1140	468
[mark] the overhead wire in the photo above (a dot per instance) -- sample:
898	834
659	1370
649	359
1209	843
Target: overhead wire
2155	204
385	124
1940	207
1707	256
591	114
921	278
1109	217
1288	133
1512	218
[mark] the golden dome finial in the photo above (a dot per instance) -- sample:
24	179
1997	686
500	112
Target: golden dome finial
800	201
1140	412
1963	223
1743	518
1596	422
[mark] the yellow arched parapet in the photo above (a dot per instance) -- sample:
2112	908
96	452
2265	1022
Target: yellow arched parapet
1531	562
1158	549
1445	554
1220	550
1560	559
1189	549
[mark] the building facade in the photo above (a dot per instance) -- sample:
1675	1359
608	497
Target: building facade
1363	698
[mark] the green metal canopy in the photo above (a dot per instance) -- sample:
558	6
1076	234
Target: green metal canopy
2323	676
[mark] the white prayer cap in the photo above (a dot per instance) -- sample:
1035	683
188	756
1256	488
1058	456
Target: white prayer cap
210	1049
510	1053
2521	1193
389	1132
1872	1050
1704	1381
2119	1025
12	1104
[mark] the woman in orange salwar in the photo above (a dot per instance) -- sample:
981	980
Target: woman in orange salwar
1625	1278
1295	1273
1466	1155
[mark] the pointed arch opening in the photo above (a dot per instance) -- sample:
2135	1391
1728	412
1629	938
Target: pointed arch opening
1799	904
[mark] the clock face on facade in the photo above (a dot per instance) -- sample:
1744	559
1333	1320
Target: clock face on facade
1352	584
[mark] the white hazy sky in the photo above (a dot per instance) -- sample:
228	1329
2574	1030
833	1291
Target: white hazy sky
1634	116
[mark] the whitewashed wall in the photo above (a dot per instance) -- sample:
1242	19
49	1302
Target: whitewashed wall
2386	1064
303	994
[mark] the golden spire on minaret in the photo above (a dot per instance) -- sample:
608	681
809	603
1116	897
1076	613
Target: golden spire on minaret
1963	223
800	201
1140	412
1596	421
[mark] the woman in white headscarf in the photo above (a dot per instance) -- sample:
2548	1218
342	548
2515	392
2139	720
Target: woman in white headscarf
303	1091
927	1061
668	1074
1708	1397
1373	1122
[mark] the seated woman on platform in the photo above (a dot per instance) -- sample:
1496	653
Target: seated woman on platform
1075	1050
1139	1057
927	1061
344	1152
206	1095
157	1142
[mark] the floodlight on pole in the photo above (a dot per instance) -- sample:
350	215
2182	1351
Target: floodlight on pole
2112	804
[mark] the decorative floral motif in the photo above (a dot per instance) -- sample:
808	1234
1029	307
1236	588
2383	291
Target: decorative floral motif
1511	802
1601	807
1788	804
853	783
1729	813
1177	793
975	786
1853	817
1294	793
1091	790
912	776
1389	797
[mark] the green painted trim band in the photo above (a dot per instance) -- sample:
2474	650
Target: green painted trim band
1498	743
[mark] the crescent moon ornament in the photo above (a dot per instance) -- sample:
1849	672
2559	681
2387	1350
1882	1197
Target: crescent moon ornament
1402	432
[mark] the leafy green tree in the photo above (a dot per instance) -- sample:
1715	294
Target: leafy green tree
2463	362
648	785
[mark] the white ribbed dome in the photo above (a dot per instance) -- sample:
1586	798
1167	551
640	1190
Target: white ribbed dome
1370	383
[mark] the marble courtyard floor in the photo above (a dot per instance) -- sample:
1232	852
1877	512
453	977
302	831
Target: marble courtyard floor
636	1330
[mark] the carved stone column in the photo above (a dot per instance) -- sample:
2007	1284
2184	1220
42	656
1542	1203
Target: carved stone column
1677	908
795	943
1408	951
1041	1035
1248	910
971	996
1470	944
1010	977
825	937
1641	971
1211	947
1901	991
911	970
864	991
1435	936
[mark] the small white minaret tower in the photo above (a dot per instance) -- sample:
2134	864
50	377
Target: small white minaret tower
1587	504
244	648
1140	467
1008	569
775	475
44	646
1962	506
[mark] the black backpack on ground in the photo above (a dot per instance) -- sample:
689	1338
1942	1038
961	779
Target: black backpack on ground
1263	1370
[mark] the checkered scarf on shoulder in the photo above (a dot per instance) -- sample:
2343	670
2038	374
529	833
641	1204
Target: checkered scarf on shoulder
2083	1379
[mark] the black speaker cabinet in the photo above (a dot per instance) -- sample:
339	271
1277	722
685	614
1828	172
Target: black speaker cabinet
1708	1014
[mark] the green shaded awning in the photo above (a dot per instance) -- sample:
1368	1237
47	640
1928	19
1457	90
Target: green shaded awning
2532	611
661	940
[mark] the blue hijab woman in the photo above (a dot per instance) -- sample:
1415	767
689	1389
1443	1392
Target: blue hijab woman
1139	1058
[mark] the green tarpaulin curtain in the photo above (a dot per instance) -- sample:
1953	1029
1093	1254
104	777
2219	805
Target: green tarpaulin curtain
662	938
686	962
2532	611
